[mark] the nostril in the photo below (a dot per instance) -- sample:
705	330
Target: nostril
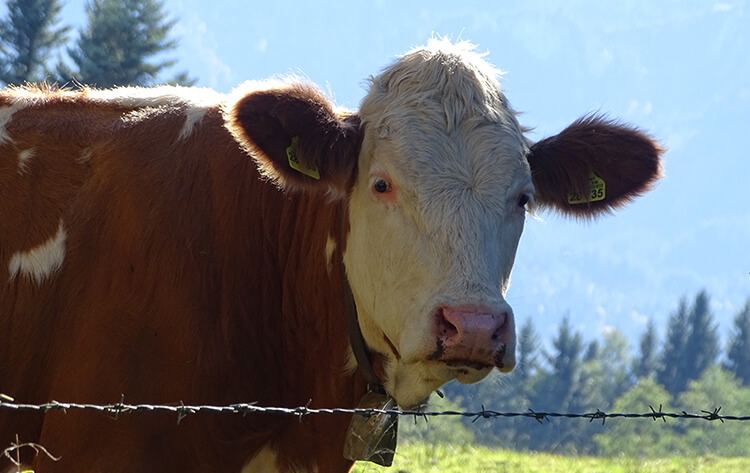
445	329
502	322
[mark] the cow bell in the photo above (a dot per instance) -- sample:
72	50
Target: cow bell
372	437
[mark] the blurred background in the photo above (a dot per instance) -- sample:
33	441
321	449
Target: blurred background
665	277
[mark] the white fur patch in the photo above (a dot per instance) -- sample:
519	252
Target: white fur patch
196	102
6	114
84	157
40	262
193	116
167	95
23	159
330	248
265	461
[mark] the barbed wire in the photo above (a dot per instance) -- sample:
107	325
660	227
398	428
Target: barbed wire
182	411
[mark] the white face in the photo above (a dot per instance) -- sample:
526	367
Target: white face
435	218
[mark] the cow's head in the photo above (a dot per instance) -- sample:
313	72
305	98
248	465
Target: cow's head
439	177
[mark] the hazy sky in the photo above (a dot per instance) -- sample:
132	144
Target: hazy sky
679	69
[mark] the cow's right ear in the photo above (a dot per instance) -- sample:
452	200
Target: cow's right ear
297	138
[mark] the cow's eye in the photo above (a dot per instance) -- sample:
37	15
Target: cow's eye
381	186
523	200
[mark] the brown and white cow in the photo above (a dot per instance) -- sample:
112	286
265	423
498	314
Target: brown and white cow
157	244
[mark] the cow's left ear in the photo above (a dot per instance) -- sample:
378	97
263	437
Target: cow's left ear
296	137
593	166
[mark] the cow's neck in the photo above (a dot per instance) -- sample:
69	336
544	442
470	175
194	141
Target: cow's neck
316	248
309	249
293	252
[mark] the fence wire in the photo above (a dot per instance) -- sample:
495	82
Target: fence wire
182	411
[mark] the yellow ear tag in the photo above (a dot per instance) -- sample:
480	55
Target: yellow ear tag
291	154
597	191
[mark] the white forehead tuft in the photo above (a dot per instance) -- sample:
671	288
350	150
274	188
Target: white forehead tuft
440	109
451	79
464	51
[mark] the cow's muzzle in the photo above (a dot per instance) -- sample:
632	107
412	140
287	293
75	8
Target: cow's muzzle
475	338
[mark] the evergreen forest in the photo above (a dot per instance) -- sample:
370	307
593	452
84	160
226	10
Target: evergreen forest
125	42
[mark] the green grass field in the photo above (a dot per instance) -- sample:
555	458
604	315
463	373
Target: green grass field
416	458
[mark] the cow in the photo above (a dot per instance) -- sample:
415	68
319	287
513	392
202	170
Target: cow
175	245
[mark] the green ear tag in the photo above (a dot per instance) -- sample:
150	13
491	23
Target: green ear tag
597	191
291	154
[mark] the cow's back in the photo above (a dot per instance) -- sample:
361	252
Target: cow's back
98	252
143	256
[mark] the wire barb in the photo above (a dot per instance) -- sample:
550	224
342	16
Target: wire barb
184	411
539	416
598	415
657	415
714	415
119	407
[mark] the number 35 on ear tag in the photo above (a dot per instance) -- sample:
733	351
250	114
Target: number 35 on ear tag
373	437
596	192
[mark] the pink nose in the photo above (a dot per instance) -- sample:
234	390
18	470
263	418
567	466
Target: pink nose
476	338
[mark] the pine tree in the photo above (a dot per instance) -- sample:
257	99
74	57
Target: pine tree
528	352
592	351
119	44
738	351
555	389
692	345
671	372
607	376
566	367
703	340
647	363
28	36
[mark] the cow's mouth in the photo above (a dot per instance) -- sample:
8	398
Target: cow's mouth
466	371
467	364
